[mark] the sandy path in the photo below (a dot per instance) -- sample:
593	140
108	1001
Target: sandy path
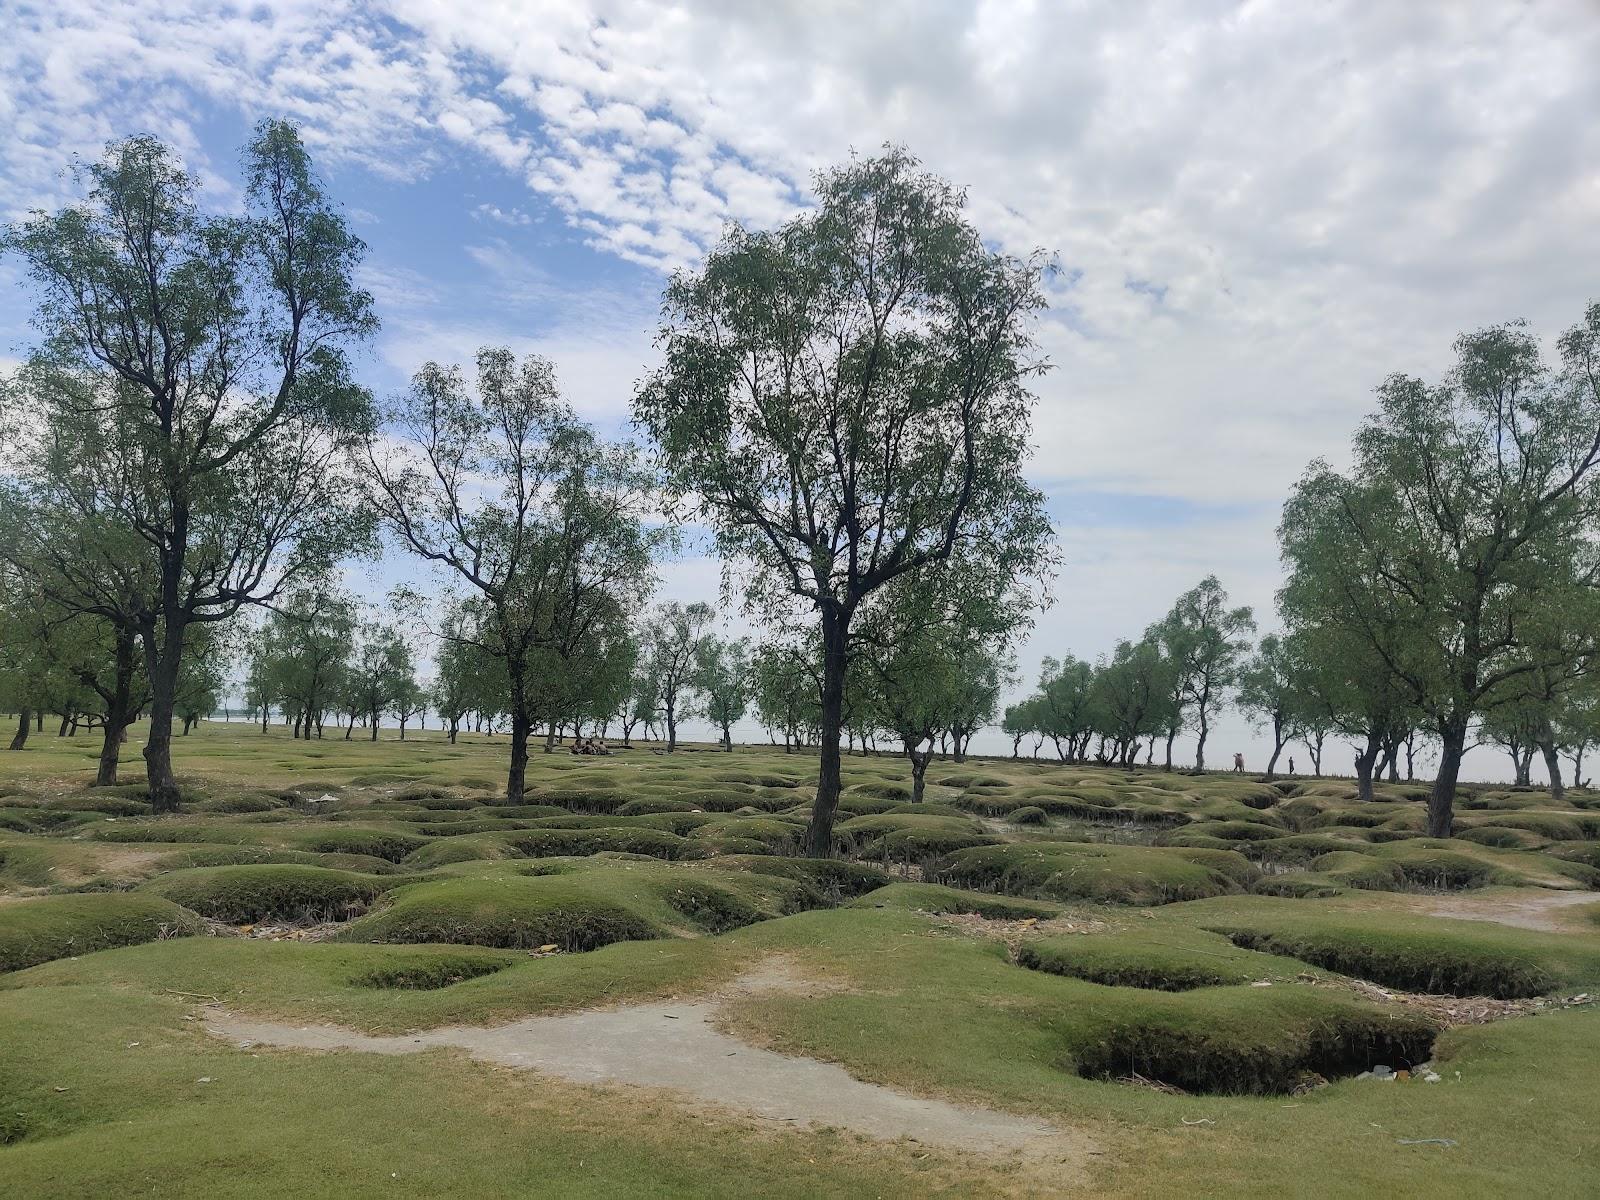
1528	910
676	1045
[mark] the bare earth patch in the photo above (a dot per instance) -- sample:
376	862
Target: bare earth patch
676	1045
1524	910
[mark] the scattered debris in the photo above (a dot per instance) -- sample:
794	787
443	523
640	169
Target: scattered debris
1450	1011
1154	1085
1199	1121
1426	1141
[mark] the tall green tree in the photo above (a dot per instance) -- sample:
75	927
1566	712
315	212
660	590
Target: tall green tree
539	518
1466	519
1206	640
199	362
722	678
844	400
674	640
1271	693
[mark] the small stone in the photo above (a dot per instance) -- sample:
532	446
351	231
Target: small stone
1381	1072
1430	1077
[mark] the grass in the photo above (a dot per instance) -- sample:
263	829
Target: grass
240	894
649	898
47	927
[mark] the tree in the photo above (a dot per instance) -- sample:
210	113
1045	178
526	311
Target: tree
673	642
1205	639
1270	692
553	543
408	698
198	362
844	399
1132	697
786	692
379	665
1019	720
1466	519
303	655
1065	705
722	678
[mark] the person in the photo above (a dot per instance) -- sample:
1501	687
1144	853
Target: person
1238	763
1291	764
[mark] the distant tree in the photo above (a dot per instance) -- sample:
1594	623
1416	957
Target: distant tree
722	678
553	543
1019	720
200	682
672	643
303	654
845	400
1205	640
1474	501
1065	705
409	698
1132	697
198	364
1270	692
786	692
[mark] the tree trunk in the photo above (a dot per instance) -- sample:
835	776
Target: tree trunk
1172	736
521	726
66	720
162	663
1442	800
819	833
727	739
1200	746
24	723
672	726
919	772
1552	763
1277	747
1364	763
454	723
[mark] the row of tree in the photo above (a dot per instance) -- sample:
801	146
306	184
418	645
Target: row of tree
843	401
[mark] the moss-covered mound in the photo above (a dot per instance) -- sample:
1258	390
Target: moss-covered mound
241	894
1251	1041
939	900
1174	960
50	927
1071	871
576	905
1423	955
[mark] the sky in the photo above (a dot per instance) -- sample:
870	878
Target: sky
1260	209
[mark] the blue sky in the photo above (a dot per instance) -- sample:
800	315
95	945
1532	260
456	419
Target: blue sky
1260	208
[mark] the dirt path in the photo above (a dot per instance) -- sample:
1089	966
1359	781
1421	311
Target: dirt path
676	1045
1522	910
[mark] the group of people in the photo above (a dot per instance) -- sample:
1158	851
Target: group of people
590	746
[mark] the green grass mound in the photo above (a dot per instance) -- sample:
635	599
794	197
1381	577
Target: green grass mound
1174	961
1423	955
576	905
1070	871
939	900
833	880
1252	1041
51	927
378	843
1028	814
243	894
908	837
439	967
